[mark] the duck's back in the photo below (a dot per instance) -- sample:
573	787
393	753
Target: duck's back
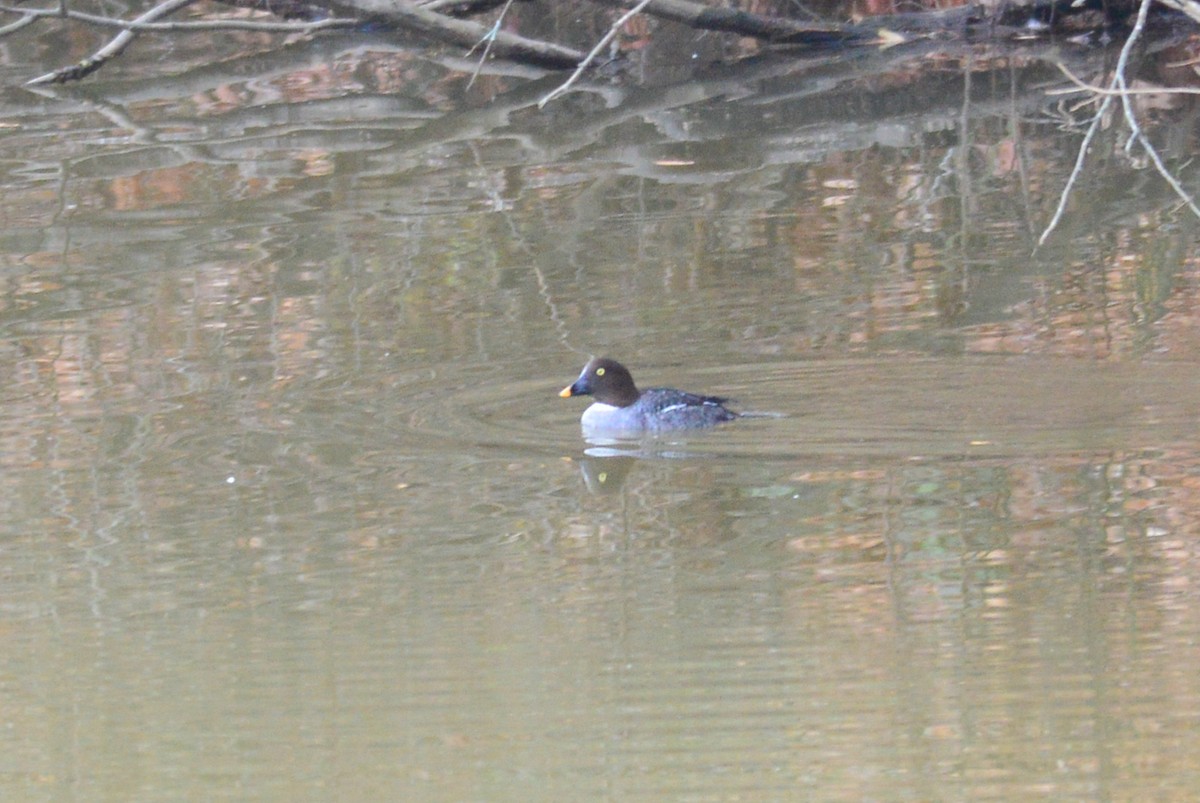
659	409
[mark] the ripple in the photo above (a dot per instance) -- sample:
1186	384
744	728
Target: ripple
977	407
515	415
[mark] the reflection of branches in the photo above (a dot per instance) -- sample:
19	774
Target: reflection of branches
1118	88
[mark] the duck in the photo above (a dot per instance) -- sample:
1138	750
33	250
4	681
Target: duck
620	408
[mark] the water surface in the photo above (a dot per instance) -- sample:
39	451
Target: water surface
292	509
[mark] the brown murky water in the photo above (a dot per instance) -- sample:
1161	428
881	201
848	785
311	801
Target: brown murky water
292	510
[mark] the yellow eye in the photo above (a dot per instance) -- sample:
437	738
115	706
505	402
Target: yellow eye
599	372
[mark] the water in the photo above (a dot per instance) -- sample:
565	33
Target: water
292	509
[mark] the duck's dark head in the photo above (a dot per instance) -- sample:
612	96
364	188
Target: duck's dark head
605	380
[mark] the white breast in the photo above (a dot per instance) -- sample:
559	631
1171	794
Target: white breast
606	421
601	416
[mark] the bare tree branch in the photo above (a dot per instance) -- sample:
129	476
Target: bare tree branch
394	12
460	32
604	40
730	20
459	7
1188	7
1083	86
19	24
1118	88
113	48
1131	119
191	25
491	40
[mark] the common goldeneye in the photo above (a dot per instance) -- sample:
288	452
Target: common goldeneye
621	408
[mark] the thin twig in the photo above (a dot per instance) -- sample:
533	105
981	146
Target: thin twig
1119	88
1076	171
722	17
1170	178
1131	118
191	25
583	65
491	40
113	48
458	32
1083	86
1119	73
1186	6
456	6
